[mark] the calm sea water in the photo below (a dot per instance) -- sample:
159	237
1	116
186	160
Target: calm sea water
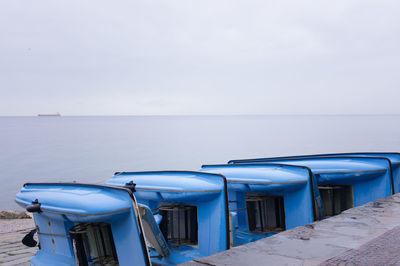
91	149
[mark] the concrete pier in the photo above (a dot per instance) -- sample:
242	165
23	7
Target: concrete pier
366	235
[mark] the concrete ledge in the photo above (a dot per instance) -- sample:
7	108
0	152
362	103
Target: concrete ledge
361	234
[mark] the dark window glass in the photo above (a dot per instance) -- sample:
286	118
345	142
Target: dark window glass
179	224
336	198
265	213
93	244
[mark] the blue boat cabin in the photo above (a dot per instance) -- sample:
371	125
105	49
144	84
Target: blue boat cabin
266	198
81	224
393	157
343	182
190	208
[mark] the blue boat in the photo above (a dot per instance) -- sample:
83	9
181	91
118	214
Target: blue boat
267	198
190	209
80	224
393	157
343	182
172	217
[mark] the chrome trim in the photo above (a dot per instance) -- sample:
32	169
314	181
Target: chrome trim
81	214
344	172
178	190
265	182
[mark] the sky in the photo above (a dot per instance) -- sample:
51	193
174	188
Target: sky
185	57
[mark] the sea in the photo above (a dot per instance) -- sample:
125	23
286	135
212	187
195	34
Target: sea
90	149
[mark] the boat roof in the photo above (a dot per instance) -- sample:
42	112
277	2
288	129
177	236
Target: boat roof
77	199
394	157
330	164
260	173
171	181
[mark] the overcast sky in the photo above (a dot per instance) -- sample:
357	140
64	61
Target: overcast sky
132	57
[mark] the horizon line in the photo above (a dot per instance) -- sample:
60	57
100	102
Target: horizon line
154	115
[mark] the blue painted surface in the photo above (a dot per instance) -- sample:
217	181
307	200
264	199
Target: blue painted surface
370	177
63	205
394	158
291	182
205	191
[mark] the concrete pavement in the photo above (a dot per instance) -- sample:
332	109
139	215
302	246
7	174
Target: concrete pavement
366	235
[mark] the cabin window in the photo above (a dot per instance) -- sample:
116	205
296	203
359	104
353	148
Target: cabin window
93	244
265	213
179	224
336	198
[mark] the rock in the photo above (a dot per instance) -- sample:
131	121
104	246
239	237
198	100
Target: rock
14	215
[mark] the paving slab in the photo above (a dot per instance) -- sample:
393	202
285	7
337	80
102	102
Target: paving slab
383	250
12	251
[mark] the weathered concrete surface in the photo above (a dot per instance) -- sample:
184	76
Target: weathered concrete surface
12	251
359	236
14	215
383	250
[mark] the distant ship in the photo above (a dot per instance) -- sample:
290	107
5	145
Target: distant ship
56	114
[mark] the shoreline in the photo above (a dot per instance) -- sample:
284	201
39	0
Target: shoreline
14	215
